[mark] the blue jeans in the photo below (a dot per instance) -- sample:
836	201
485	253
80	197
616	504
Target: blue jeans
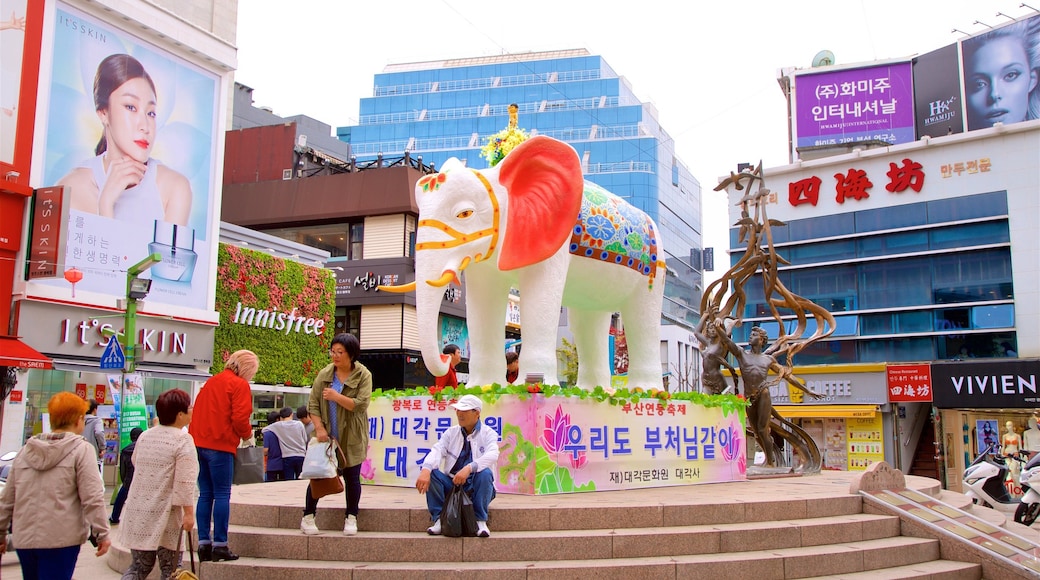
293	468
480	486
216	471
48	563
120	500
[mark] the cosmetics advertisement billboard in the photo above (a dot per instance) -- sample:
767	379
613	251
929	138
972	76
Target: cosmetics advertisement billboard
132	132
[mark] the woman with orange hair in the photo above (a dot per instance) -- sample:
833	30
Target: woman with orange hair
55	493
221	419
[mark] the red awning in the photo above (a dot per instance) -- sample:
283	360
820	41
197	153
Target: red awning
15	353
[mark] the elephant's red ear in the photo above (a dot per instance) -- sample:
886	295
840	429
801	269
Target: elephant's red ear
544	183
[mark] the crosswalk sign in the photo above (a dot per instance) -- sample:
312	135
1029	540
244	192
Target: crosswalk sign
113	357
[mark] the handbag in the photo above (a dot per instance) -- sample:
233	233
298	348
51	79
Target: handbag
180	573
321	487
321	460
457	517
249	465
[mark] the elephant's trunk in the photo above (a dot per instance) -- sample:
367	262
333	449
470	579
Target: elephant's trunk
428	299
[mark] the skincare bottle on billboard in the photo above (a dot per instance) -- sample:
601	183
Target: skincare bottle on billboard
176	244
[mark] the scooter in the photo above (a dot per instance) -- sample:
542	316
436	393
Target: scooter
1028	512
984	482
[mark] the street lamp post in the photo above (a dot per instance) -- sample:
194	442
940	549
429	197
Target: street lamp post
136	289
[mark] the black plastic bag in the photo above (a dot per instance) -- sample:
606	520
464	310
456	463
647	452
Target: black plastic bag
457	517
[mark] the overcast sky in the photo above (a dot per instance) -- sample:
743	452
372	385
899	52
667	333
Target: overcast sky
709	68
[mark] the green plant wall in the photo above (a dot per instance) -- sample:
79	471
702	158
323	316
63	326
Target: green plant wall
266	283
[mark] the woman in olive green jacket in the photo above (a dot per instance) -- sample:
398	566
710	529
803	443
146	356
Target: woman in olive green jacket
339	407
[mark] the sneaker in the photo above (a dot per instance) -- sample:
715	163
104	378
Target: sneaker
308	526
223	554
205	552
482	530
350	526
435	529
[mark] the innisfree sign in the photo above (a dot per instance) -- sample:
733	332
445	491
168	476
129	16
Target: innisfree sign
113	357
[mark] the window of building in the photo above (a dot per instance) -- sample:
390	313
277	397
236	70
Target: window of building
340	240
822	227
972	276
969	235
885	244
996	316
896	322
890	218
357	241
969	207
895	283
348	320
896	349
832	251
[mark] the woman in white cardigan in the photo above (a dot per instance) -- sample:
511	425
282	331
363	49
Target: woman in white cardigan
162	496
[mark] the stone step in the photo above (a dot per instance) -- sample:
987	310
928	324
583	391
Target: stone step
934	570
604	543
842	559
403	510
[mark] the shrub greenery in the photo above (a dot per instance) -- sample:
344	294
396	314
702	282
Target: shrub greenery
257	280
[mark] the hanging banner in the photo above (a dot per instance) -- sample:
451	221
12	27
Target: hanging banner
551	445
135	413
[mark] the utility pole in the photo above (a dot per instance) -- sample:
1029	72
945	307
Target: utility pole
136	289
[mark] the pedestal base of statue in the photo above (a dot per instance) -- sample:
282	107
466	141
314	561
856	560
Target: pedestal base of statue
552	445
764	471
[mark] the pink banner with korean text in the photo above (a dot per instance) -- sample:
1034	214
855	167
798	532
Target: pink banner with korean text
566	444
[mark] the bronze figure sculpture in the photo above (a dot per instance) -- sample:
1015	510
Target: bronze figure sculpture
725	297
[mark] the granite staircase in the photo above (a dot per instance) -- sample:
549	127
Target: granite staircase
799	527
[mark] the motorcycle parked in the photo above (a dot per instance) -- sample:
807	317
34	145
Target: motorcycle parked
984	479
1029	509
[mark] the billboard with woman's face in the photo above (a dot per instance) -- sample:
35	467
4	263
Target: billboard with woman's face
1001	70
132	134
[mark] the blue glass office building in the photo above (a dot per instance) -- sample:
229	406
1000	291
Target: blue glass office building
449	108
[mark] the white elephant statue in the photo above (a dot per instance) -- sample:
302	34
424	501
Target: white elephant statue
533	223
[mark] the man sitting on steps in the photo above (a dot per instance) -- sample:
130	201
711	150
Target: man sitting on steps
471	449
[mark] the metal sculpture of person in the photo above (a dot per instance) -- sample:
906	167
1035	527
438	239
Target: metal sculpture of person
759	266
714	350
755	366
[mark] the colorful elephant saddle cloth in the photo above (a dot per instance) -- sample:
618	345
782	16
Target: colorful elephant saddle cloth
610	230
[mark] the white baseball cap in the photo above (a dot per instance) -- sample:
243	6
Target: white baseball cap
468	403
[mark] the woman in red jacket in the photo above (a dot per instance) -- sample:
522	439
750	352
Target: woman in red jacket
221	420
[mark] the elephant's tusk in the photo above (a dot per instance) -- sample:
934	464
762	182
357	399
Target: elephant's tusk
401	289
445	279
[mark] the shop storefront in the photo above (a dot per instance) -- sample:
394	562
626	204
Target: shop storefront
974	403
176	354
851	420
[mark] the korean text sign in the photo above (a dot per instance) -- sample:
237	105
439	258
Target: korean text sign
562	444
846	106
